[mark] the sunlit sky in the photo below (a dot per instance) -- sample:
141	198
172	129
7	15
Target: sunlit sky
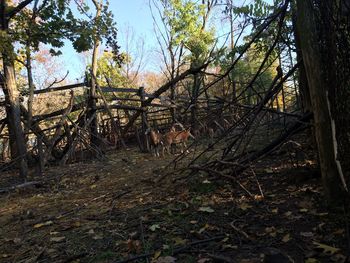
136	15
132	14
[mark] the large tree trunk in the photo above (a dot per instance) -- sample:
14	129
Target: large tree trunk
335	30
302	79
94	138
17	142
311	52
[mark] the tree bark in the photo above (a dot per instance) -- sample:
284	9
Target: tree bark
31	89
94	139
194	100
302	79
17	141
310	48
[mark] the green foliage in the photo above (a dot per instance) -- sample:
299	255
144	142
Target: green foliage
184	18
108	68
258	8
53	22
246	68
257	13
6	45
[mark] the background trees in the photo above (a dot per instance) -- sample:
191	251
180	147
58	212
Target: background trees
48	22
261	63
187	39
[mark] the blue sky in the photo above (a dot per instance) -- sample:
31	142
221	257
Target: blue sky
136	13
133	13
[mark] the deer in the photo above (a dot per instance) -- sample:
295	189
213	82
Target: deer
176	137
156	141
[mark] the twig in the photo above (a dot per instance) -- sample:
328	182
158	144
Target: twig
58	81
116	197
240	231
257	181
208	170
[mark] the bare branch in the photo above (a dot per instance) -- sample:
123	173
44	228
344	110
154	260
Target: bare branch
18	8
58	81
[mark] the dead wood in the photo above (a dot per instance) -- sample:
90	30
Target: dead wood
240	231
115	125
35	127
161	90
298	126
71	147
67	87
75	108
58	129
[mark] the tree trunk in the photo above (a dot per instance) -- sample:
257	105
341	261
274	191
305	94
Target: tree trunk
17	142
303	84
173	87
31	89
335	30
194	100
310	49
94	139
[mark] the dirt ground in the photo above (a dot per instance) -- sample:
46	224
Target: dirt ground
117	210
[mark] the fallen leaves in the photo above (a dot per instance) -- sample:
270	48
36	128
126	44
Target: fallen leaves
271	231
154	227
286	238
281	218
206	209
288	214
57	239
178	241
134	246
258	198
275	210
203	228
329	250
244	206
306	234
47	223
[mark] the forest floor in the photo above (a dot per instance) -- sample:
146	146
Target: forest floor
118	210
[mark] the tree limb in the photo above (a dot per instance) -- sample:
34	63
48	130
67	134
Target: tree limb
17	9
